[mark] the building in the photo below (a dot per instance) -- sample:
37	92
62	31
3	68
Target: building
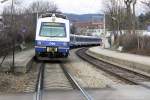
89	28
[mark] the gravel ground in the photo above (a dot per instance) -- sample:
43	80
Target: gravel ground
16	83
88	75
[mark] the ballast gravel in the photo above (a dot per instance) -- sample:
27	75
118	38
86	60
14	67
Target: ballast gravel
88	75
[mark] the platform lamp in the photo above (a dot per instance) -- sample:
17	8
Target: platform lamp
12	9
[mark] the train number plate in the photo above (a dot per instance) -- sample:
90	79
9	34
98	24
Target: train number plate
51	49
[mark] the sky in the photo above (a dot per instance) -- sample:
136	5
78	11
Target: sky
79	6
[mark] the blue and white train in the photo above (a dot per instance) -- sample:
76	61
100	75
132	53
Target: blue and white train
53	38
81	40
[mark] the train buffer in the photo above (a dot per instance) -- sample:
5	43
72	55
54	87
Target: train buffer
23	61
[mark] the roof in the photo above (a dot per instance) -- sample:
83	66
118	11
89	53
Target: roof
89	24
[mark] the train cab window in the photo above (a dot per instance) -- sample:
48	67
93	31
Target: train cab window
77	39
49	29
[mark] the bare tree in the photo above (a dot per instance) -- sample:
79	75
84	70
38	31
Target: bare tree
134	16
24	20
147	4
31	15
115	17
26	17
129	14
42	6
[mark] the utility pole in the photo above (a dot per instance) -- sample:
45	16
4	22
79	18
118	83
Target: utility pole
12	22
104	23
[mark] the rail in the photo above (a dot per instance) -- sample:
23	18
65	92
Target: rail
39	86
126	75
75	83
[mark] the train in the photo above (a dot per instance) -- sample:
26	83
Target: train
82	40
53	38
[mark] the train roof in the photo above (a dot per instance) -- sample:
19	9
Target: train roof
85	36
56	14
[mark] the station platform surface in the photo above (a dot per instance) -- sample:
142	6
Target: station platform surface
22	61
135	62
118	92
19	96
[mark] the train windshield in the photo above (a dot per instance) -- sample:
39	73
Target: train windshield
49	29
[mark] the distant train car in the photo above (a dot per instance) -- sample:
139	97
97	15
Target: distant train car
81	40
52	36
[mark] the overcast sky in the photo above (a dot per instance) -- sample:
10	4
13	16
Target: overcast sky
78	6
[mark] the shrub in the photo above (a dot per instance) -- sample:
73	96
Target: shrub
128	41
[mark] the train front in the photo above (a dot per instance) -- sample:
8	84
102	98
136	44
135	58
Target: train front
52	37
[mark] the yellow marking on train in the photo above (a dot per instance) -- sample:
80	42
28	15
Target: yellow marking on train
52	49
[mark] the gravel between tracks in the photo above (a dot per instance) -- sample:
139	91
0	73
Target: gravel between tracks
54	78
88	75
17	83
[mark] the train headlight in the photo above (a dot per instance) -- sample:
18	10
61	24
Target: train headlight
65	44
53	18
39	43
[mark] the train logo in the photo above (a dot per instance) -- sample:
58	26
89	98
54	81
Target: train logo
52	43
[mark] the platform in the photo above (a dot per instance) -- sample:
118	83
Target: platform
23	61
20	96
130	61
117	92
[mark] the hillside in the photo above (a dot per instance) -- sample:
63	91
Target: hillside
85	17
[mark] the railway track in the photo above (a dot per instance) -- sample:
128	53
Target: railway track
47	80
131	77
54	78
75	84
39	85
